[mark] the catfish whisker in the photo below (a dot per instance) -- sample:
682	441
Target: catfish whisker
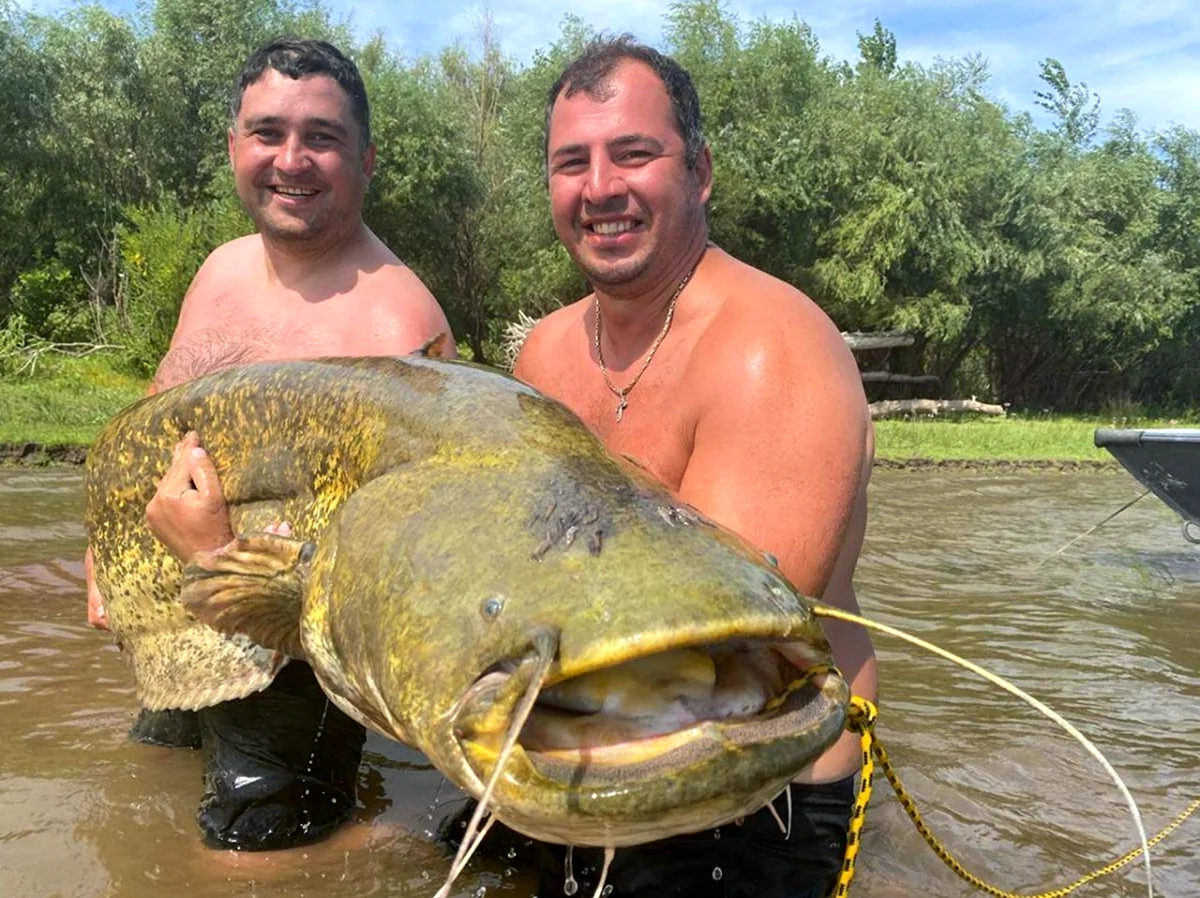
609	853
783	828
546	646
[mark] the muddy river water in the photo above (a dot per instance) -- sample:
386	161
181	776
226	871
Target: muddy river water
1107	633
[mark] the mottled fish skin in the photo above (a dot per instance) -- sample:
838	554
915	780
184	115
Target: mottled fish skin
291	442
459	518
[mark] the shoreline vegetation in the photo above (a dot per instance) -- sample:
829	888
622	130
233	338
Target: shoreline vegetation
1041	252
51	417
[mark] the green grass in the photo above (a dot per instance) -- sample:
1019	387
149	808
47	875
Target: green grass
69	400
1017	438
66	401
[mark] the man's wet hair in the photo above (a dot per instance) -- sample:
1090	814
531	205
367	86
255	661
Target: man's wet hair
592	69
300	58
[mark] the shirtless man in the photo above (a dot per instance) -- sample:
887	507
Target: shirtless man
313	281
733	389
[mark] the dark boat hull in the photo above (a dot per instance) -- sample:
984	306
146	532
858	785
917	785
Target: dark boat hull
1166	462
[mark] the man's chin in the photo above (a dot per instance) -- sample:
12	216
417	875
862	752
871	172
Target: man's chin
614	274
291	231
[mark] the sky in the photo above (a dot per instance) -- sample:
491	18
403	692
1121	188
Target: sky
1142	55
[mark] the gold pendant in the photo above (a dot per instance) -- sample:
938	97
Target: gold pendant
621	409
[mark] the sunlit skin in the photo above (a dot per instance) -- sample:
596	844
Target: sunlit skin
621	193
313	281
752	409
299	162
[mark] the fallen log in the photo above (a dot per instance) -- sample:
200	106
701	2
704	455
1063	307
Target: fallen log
859	341
875	377
894	408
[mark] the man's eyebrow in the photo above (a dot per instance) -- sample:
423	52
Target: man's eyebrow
629	139
323	123
327	124
570	149
624	140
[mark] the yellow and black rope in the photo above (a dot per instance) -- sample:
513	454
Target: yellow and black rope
861	720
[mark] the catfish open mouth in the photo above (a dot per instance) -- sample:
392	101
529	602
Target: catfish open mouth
666	711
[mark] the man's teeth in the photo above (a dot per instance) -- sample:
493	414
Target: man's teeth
608	228
295	191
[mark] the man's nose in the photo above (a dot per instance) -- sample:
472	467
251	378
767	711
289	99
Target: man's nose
604	182
293	154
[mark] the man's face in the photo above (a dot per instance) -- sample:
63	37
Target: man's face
621	195
298	163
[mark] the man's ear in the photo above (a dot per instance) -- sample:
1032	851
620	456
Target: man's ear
368	160
230	137
704	173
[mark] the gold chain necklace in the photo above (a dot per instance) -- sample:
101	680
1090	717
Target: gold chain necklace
622	394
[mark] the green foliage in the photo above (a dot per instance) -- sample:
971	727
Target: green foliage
51	301
1076	111
1045	268
161	248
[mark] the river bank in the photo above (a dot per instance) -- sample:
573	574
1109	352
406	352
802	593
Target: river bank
51	418
31	454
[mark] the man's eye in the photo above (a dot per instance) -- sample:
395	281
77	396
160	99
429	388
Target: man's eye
635	156
267	134
321	137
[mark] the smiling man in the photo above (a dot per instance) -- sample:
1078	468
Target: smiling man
730	387
281	765
314	279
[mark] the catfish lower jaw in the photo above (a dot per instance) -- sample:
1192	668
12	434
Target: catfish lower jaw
621	780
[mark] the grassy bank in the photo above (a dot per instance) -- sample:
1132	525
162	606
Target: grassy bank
67	401
70	399
1013	438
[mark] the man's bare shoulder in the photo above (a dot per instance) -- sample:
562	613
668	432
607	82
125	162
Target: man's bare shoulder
226	271
400	310
764	321
229	259
543	347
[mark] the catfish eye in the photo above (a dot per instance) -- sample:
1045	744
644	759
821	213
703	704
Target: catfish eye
307	551
771	559
493	606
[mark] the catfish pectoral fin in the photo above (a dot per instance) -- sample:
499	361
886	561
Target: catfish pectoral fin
435	347
253	586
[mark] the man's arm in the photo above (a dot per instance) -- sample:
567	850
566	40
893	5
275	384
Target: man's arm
779	445
781	455
406	316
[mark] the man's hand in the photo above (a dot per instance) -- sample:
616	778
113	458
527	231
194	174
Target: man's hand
188	514
95	602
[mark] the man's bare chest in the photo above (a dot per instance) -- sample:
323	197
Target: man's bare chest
230	341
652	432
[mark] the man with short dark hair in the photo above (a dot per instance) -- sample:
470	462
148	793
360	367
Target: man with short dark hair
281	765
730	387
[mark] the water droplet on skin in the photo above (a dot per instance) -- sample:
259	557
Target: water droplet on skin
608	890
716	834
512	852
717	874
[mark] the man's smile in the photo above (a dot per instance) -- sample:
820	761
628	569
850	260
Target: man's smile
299	192
611	228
